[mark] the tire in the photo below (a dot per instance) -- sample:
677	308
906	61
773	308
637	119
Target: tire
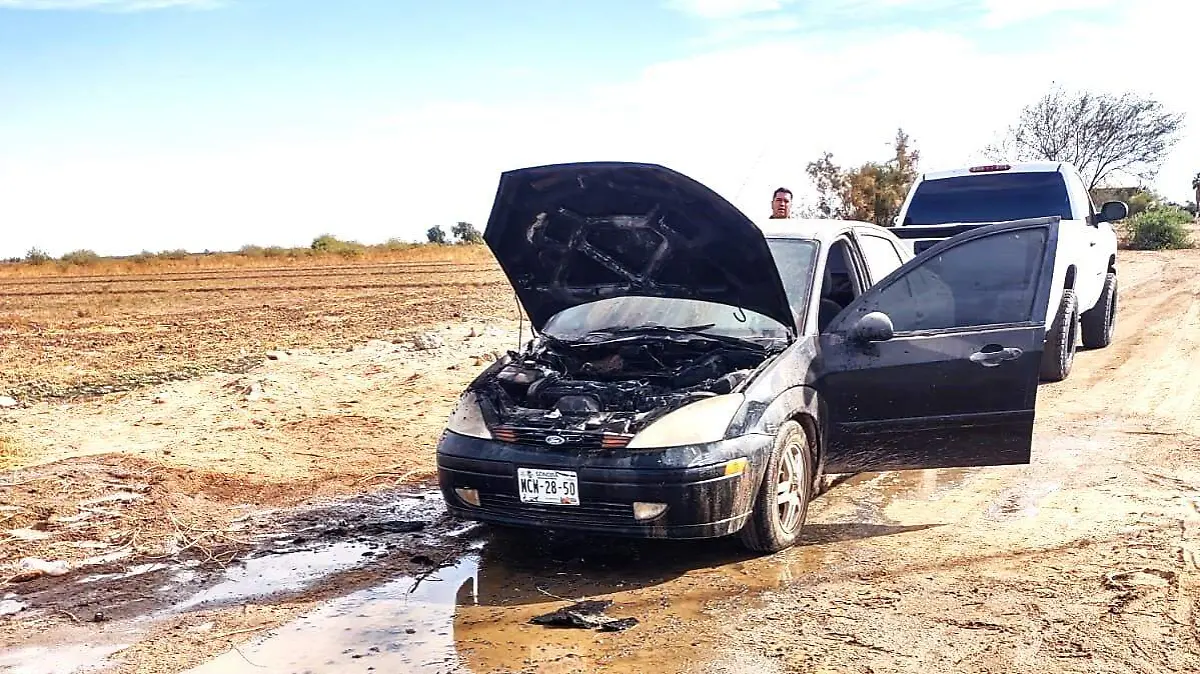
1059	352
1097	324
774	526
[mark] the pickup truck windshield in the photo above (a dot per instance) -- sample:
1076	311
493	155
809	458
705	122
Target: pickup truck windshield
989	197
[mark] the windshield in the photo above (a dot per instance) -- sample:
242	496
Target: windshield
793	257
992	197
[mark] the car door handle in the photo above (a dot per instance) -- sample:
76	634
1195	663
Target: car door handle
994	358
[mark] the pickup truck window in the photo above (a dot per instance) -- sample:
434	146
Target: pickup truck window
989	197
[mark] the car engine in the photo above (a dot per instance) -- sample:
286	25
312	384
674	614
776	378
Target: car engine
616	386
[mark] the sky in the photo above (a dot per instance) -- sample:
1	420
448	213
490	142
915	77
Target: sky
130	125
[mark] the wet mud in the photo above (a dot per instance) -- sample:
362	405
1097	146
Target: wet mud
388	582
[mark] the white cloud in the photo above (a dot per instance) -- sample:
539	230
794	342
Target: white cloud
726	9
106	5
1001	13
743	121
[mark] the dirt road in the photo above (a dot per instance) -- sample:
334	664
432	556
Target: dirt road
1086	560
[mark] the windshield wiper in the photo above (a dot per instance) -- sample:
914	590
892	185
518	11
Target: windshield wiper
694	330
655	327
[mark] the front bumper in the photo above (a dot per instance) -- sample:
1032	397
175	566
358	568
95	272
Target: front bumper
702	502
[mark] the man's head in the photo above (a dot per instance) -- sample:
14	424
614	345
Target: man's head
781	203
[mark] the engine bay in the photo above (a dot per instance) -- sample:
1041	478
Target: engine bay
616	386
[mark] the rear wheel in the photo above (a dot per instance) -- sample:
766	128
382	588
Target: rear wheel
782	502
1059	351
1097	324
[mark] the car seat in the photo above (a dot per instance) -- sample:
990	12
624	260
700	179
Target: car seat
828	308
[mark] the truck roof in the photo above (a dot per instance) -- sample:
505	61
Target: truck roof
1018	167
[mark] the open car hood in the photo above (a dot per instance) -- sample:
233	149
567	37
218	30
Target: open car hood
568	234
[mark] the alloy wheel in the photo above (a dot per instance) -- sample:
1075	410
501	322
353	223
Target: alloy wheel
789	500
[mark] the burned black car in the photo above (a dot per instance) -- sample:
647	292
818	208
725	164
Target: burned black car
694	375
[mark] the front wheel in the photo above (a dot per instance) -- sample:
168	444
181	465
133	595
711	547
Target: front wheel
1059	352
1097	324
782	502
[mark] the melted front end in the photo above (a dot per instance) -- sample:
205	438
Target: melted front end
598	395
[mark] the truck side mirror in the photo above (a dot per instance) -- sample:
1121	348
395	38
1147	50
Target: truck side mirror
1112	211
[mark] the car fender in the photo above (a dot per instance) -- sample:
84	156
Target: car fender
766	417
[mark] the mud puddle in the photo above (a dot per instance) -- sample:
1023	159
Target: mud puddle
394	585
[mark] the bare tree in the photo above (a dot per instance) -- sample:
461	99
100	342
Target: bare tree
1101	134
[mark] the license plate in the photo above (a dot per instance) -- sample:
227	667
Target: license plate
560	487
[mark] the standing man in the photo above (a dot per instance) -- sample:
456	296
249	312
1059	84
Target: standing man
781	204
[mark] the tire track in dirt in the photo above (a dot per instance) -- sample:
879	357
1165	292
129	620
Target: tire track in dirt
1143	376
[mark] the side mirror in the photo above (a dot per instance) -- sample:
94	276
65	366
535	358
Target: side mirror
1112	211
873	327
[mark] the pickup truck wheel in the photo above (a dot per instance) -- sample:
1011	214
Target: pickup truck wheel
783	496
1097	324
1059	352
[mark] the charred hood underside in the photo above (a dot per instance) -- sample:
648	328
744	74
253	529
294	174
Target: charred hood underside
615	387
569	234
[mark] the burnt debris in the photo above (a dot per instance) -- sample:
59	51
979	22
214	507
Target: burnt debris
585	615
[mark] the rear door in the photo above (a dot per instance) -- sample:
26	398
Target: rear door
956	382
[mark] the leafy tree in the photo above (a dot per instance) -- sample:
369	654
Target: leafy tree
436	234
1100	134
872	192
465	232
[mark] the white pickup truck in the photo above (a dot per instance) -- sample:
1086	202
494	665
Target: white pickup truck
940	205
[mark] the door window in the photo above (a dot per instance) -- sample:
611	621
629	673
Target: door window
991	280
882	256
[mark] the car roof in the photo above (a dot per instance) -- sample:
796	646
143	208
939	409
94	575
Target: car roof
1019	167
822	230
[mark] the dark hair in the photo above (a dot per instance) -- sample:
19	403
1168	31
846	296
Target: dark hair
783	190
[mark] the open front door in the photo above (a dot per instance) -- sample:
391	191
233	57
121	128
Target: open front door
937	365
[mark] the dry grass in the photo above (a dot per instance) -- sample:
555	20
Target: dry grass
252	258
117	323
9	456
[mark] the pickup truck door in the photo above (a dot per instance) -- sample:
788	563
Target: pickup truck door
955	382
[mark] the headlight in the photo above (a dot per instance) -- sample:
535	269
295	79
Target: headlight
700	422
467	419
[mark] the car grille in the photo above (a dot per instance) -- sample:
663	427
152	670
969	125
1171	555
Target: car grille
585	513
544	437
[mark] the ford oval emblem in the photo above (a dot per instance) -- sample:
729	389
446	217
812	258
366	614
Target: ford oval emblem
555	439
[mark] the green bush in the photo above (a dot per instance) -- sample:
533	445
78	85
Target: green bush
37	256
81	257
177	254
396	244
328	243
1159	228
143	257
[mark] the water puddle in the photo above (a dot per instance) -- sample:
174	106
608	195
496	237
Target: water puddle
390	628
68	659
274	574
